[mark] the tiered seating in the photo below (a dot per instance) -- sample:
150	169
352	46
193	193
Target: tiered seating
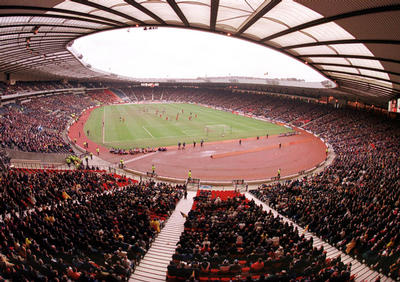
104	96
74	229
27	188
37	126
21	87
228	238
354	203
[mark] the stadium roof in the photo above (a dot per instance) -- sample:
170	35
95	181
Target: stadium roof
354	43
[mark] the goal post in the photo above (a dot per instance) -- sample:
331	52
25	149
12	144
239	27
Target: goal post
217	129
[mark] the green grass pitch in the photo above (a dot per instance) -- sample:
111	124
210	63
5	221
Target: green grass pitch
146	125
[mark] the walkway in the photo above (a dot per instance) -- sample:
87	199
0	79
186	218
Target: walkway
361	271
153	267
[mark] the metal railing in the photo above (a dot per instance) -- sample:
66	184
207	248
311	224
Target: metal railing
58	166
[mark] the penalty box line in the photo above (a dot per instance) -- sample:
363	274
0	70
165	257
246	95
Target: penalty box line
148	131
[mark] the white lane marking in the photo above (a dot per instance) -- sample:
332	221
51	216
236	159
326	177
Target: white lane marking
141	157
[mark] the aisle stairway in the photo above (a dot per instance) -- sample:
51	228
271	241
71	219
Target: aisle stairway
153	267
361	271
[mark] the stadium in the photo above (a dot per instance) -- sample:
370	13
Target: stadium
105	177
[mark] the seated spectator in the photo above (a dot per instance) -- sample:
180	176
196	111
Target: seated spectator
209	223
98	232
258	265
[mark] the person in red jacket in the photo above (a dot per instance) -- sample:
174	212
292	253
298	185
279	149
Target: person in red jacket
258	265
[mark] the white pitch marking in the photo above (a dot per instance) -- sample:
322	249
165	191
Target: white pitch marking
104	123
148	131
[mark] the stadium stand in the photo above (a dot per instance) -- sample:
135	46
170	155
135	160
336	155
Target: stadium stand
229	237
120	93
104	96
78	225
352	204
37	126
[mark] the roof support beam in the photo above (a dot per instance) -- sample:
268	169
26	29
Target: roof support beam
364	86
374	10
56	17
363	75
17	43
179	12
370	87
344	41
34	65
365	92
19	40
145	10
39	59
358	67
22	55
351	57
33	36
103	20
55	43
108	10
49	25
21	60
261	11
213	14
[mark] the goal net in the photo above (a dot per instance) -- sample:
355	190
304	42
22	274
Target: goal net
217	130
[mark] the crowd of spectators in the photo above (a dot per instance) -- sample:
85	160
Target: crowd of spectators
21	87
21	190
354	203
228	236
75	229
273	107
103	96
358	193
4	160
38	125
135	151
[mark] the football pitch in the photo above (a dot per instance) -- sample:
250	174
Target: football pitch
154	125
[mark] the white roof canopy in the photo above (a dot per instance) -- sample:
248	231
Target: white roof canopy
355	44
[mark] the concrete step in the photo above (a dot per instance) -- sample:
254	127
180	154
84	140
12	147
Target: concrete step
147	276
153	266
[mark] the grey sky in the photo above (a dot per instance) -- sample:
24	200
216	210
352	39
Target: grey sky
182	53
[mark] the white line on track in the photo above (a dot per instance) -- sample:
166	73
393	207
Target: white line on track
141	157
104	123
148	131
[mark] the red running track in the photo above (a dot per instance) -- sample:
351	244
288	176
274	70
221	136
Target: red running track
252	160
